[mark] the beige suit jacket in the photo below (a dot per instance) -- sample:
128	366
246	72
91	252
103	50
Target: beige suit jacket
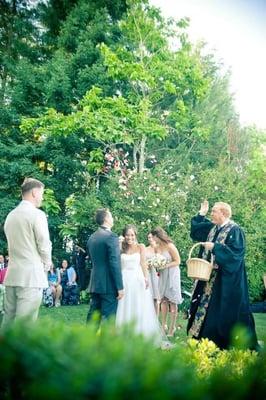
29	247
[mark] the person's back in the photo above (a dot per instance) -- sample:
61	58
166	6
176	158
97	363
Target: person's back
106	285
29	250
99	247
27	253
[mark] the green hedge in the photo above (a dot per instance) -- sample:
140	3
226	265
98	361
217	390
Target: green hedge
50	360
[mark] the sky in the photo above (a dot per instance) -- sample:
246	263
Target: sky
236	31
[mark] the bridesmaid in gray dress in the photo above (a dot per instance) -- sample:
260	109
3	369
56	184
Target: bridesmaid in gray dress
169	280
153	276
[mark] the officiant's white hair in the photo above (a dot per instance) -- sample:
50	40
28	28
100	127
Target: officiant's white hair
225	208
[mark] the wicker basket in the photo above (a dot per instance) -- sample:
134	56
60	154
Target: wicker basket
197	268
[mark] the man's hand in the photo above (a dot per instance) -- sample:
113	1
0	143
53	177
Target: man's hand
208	245
46	267
204	207
121	294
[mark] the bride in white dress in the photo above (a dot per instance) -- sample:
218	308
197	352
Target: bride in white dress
137	304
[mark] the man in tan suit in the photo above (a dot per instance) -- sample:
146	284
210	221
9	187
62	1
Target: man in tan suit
29	250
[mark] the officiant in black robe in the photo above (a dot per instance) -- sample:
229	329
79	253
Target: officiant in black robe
222	303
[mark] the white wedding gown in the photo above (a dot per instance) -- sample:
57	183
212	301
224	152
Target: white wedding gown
137	304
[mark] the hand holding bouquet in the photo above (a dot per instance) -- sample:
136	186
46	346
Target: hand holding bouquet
158	262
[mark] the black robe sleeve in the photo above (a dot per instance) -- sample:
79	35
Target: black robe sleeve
229	256
200	228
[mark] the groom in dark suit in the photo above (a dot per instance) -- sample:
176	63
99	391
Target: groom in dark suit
106	286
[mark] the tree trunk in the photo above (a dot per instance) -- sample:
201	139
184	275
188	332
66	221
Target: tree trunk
135	160
3	89
8	39
142	154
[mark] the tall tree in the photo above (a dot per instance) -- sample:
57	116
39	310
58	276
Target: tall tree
18	40
38	70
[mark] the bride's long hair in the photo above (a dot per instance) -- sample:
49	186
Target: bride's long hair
124	246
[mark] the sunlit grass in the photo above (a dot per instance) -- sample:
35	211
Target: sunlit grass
78	314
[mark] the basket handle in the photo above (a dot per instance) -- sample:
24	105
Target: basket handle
194	246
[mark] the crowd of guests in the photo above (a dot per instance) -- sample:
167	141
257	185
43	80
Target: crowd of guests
67	281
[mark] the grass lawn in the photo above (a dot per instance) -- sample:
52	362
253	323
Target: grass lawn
77	315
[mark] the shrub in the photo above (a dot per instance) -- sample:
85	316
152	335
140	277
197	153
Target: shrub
208	358
53	361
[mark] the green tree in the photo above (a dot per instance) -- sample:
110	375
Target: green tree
146	74
161	81
19	40
37	69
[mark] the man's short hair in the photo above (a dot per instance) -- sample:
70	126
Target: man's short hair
29	184
225	208
100	216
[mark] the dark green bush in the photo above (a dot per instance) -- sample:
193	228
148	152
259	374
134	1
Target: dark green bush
53	361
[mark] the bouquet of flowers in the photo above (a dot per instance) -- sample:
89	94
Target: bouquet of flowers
158	262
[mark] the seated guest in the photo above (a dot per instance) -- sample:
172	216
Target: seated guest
3	270
68	277
2	262
52	295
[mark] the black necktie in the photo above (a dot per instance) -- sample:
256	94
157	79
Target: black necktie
218	230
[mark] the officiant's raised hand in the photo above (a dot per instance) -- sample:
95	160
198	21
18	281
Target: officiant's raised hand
204	208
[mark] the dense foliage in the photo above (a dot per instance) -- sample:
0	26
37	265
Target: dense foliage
55	361
110	104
